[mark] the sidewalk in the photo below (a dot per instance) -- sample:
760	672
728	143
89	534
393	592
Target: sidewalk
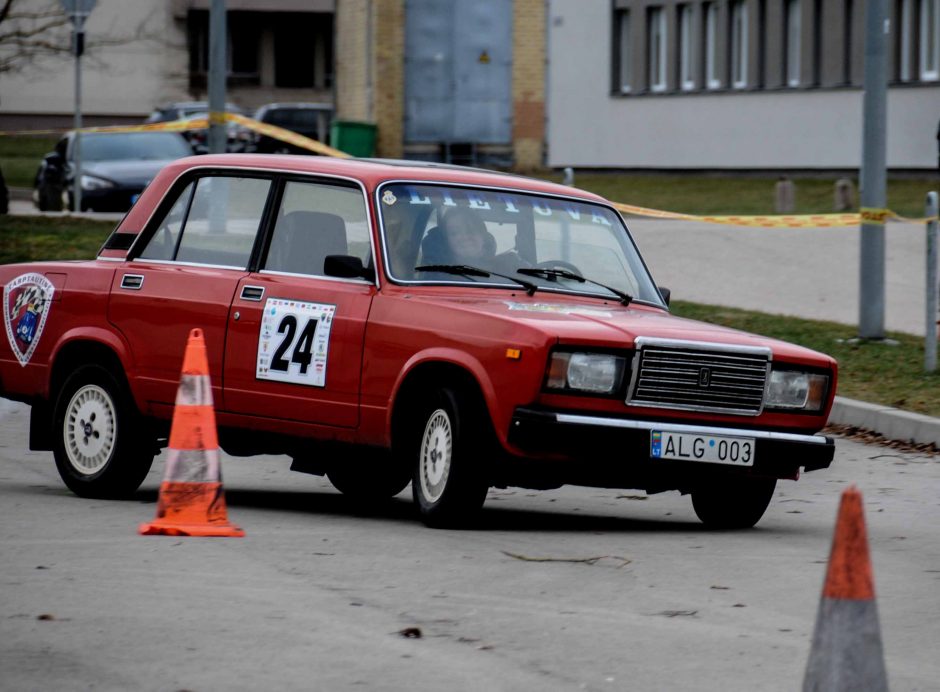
810	273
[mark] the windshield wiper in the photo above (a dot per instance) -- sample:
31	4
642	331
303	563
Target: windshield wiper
555	274
467	270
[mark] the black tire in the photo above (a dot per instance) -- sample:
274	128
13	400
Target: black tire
448	445
370	477
733	503
101	445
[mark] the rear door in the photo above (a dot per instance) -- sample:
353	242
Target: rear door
185	276
295	337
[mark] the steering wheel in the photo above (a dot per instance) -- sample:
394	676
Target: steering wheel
559	264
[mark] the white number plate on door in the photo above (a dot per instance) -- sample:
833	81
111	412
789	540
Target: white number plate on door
294	341
715	449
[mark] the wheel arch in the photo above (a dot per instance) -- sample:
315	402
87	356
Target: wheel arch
77	348
434	373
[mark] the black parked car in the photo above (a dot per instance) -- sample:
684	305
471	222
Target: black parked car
308	119
116	167
238	137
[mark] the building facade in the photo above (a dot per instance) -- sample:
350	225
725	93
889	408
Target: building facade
142	54
735	84
449	81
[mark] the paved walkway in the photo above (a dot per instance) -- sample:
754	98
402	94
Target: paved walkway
810	273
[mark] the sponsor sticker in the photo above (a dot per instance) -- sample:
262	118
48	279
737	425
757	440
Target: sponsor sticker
26	303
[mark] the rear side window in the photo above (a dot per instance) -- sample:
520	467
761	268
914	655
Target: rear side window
214	221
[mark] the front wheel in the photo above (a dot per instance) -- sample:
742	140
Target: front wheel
101	445
450	482
733	503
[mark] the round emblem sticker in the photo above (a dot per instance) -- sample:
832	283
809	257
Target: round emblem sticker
389	198
26	302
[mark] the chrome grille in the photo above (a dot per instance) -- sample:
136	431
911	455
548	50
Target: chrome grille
695	378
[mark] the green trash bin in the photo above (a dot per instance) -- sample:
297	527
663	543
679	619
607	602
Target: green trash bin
355	138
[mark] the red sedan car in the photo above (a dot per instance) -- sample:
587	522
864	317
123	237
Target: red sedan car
388	322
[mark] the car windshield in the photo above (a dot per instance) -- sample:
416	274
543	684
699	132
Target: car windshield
133	146
441	234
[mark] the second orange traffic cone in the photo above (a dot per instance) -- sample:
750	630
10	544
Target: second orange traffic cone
846	652
192	500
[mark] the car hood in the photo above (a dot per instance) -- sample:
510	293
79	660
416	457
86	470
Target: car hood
611	325
124	172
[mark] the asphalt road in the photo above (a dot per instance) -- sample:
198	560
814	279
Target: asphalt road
316	595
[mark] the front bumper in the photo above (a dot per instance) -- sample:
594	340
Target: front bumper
615	452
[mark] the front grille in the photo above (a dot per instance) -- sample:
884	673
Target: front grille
695	378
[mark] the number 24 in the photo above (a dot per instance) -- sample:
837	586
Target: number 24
302	351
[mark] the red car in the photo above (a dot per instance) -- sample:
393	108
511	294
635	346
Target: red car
387	323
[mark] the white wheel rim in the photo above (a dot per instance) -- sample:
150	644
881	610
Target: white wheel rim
89	429
436	454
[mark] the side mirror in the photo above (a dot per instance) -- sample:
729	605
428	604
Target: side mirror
665	293
347	267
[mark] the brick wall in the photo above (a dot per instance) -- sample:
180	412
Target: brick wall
528	83
370	44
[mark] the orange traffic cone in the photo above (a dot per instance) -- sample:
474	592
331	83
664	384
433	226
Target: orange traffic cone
192	501
846	653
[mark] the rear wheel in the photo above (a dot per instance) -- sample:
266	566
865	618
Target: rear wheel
101	445
447	443
733	503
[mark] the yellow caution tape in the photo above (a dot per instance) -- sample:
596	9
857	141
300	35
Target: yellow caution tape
866	215
287	136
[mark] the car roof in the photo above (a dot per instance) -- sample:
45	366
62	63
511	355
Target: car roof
369	172
296	104
373	172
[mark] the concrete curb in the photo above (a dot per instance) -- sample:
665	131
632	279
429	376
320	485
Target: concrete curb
893	423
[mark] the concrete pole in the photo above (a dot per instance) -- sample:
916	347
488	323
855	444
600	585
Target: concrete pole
872	261
930	336
217	70
78	46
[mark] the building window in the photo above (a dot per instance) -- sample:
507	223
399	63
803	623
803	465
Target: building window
686	59
657	49
712	80
792	43
929	40
623	53
905	48
739	44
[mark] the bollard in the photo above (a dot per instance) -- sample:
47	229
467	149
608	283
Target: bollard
568	177
930	336
784	196
844	196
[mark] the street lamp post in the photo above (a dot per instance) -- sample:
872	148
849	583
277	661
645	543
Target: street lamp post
78	11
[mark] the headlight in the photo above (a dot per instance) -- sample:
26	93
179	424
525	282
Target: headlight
90	182
595	373
791	389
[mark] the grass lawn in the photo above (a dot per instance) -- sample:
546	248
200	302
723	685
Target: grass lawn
20	157
738	194
30	238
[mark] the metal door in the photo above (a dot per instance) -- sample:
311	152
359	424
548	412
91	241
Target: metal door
458	71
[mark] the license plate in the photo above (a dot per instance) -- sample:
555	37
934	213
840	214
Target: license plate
713	449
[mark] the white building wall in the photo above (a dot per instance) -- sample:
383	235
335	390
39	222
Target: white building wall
802	128
127	77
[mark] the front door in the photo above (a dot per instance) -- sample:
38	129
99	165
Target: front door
295	336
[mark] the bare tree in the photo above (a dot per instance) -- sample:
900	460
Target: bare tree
31	30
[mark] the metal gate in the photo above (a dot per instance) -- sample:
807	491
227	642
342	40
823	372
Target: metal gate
458	71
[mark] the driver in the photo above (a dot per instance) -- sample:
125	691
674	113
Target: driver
468	241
